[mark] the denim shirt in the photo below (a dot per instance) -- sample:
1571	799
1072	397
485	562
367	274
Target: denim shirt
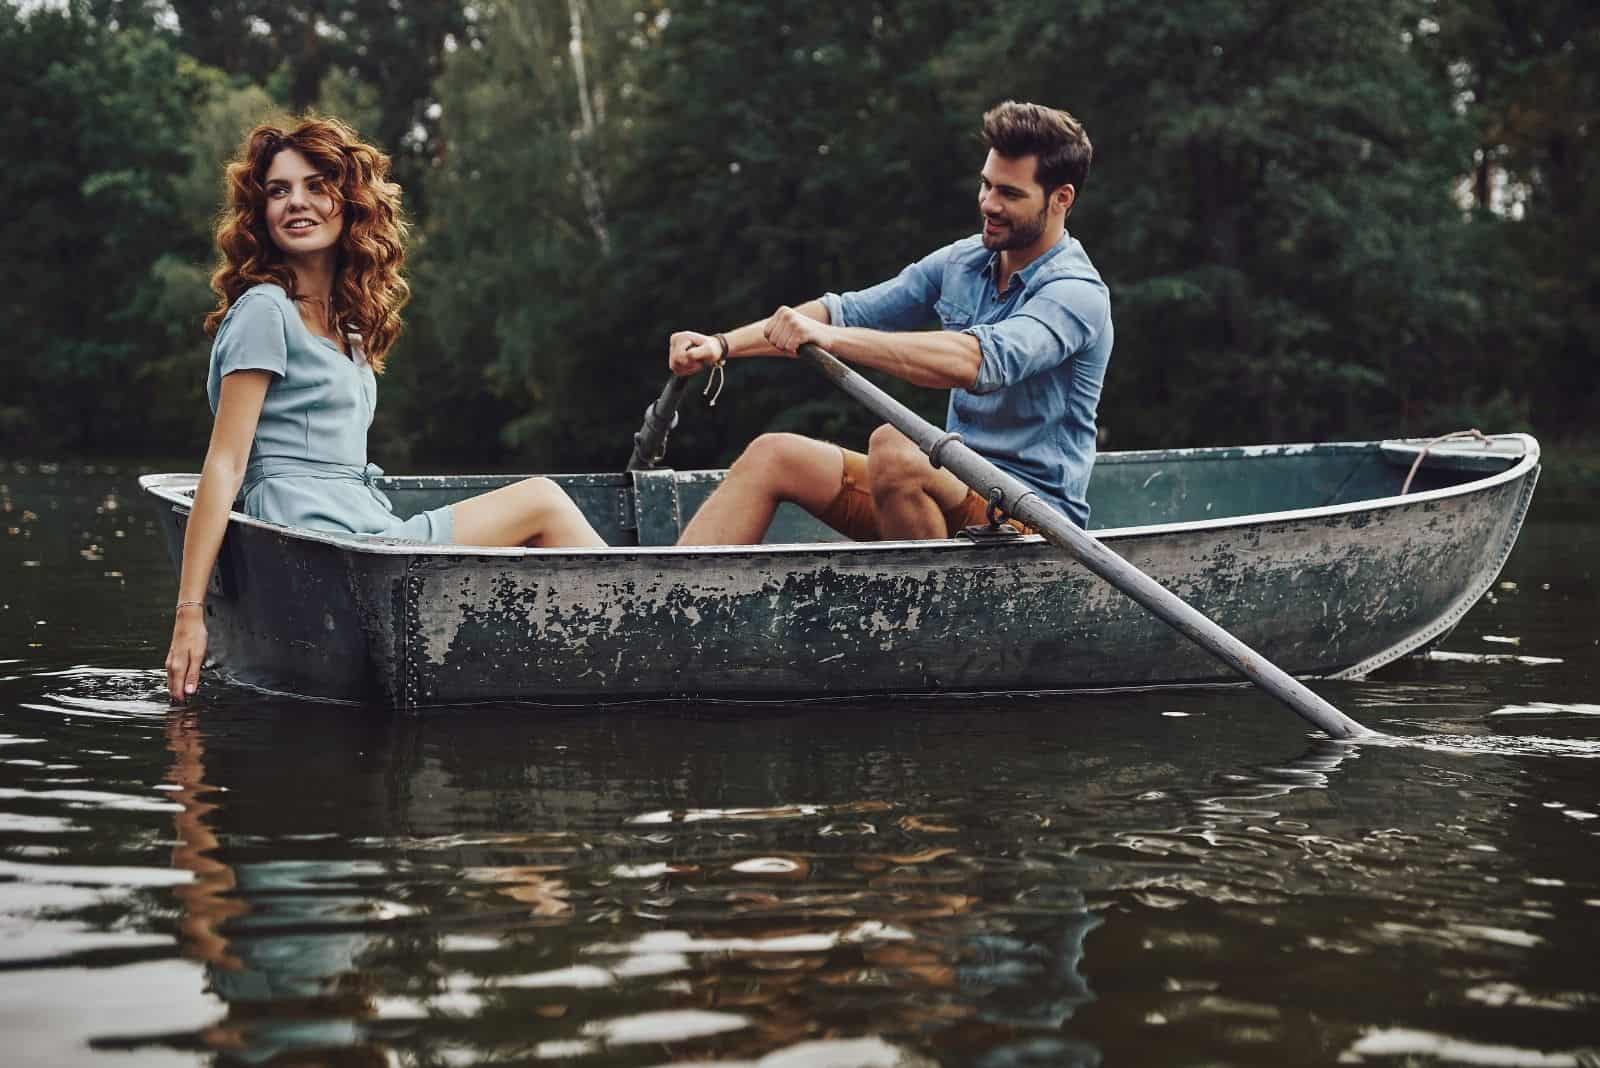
1045	344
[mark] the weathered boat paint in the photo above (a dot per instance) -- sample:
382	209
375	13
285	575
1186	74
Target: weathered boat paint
1344	577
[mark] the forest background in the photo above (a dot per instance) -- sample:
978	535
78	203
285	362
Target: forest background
1318	218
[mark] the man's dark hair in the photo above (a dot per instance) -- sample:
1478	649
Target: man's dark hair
1014	130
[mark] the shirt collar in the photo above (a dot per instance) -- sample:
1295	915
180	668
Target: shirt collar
1026	275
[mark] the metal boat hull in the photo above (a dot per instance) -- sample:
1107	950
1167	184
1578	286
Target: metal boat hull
1335	589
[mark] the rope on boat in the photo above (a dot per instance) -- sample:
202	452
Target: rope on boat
1454	435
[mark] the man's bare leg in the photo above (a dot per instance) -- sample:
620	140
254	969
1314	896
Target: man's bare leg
910	494
773	469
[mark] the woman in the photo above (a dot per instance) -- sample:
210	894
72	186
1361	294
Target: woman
310	296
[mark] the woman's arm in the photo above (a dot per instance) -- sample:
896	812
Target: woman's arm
238	411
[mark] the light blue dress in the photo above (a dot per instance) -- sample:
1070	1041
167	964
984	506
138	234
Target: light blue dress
308	463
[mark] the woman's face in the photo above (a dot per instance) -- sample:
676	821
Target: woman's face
302	217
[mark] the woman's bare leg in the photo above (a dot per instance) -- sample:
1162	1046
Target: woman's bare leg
534	511
774	468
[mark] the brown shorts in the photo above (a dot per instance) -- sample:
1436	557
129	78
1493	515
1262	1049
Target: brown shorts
853	514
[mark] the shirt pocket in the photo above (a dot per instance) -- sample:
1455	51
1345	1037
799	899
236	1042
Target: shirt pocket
953	315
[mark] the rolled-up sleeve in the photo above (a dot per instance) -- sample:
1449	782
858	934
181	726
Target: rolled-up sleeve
252	338
1063	317
904	302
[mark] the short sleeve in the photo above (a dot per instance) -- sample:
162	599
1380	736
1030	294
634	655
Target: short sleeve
252	338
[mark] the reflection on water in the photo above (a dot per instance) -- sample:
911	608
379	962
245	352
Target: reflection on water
730	931
1139	879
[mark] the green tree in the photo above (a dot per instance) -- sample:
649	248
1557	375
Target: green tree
1528	80
827	157
509	263
1272	204
394	47
96	141
569	239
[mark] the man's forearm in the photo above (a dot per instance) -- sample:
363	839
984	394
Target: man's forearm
938	359
751	339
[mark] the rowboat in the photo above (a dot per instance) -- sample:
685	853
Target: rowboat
1331	559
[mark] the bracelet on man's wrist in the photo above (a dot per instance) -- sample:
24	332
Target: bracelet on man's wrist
185	604
722	339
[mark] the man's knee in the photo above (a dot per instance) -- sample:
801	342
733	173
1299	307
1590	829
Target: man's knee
789	467
769	455
893	460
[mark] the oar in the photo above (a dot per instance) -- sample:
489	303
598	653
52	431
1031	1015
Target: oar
947	450
650	443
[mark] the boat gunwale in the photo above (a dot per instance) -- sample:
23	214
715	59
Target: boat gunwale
162	486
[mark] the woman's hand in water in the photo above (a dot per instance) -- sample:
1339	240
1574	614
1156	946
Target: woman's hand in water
188	652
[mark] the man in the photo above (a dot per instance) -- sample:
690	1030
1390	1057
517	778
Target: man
1025	339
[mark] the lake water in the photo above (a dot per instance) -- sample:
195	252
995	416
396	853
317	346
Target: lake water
1178	878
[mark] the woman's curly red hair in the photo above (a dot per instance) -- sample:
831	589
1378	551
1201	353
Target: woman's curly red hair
368	289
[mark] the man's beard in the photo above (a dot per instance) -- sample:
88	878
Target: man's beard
1018	234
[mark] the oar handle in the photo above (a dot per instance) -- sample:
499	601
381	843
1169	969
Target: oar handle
650	442
1018	500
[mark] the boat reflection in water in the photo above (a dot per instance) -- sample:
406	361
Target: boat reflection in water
639	886
363	889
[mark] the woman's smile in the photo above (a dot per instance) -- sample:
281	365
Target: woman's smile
300	204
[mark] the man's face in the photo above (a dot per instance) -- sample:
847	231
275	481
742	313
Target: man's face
1011	202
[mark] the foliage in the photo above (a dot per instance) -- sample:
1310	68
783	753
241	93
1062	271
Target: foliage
1270	202
510	260
719	195
392	49
1528	82
1318	219
839	162
96	143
